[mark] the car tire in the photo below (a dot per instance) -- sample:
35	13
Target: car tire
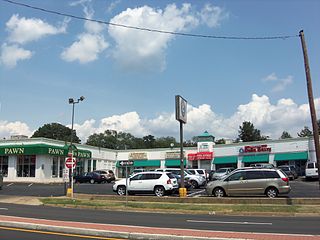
194	184
218	192
121	190
92	181
159	191
272	192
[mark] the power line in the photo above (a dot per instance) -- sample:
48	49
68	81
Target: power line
284	37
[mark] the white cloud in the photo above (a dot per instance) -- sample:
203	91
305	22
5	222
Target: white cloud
90	43
213	15
23	30
113	5
8	129
270	119
10	55
86	49
147	50
279	84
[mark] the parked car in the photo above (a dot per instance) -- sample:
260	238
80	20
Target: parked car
221	172
210	178
262	165
251	181
159	183
195	180
89	177
109	174
197	171
289	170
1	180
311	170
187	184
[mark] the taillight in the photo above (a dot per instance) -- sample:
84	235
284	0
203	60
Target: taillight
285	179
169	181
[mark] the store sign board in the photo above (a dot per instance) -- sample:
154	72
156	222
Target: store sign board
173	155
138	155
200	156
252	149
181	109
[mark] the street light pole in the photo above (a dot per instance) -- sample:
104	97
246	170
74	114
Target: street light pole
70	154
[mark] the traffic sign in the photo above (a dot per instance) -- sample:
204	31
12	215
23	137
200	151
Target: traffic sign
71	162
126	163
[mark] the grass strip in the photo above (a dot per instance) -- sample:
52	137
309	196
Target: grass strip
182	207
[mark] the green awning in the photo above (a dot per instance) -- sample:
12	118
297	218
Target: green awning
143	163
256	158
41	149
227	159
291	156
146	163
174	162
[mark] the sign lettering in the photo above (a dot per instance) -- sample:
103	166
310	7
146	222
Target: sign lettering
200	156
259	148
8	151
138	155
55	151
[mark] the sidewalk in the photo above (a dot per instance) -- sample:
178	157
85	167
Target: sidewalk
135	232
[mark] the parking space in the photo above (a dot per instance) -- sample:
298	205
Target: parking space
300	189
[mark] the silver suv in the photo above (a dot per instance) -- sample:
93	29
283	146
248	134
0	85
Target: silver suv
158	183
251	181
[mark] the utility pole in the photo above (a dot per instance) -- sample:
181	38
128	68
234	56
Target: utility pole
311	101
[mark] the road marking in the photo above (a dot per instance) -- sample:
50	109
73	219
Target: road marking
9	184
4	209
196	193
59	234
222	222
30	184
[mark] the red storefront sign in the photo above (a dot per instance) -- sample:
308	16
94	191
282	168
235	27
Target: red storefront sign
200	156
259	148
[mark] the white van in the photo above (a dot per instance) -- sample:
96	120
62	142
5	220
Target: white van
311	170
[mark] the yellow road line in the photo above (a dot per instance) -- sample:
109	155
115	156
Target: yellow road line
57	233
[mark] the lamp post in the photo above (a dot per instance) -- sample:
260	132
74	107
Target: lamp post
70	189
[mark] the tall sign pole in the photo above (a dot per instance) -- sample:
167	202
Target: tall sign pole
181	116
311	101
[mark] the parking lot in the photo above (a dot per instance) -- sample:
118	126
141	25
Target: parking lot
300	189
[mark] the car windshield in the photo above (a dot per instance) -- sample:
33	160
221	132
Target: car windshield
221	170
188	172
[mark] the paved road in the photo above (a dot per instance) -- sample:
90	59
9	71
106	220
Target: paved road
300	189
283	225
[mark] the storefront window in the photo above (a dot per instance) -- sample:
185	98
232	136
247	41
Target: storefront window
57	166
26	166
61	167
54	167
4	165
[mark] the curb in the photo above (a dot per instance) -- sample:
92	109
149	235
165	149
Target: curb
105	233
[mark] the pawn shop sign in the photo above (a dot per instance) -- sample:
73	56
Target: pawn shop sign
71	162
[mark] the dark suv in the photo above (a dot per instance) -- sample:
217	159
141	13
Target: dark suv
251	181
1	180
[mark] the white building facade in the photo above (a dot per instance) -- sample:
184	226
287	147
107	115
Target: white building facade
43	160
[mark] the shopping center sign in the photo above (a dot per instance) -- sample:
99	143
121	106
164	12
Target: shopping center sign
200	156
252	149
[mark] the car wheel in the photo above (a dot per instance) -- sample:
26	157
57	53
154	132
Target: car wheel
218	192
159	191
92	181
194	184
121	190
272	192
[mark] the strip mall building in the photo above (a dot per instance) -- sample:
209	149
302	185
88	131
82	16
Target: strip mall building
43	160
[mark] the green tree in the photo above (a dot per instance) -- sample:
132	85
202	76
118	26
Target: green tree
305	132
248	133
149	141
165	142
285	135
56	131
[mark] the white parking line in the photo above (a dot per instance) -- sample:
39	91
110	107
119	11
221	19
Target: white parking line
4	209
30	184
196	193
222	222
9	184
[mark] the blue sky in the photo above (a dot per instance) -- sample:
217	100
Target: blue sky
130	77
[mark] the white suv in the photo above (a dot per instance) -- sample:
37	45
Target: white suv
311	170
195	180
198	171
158	183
